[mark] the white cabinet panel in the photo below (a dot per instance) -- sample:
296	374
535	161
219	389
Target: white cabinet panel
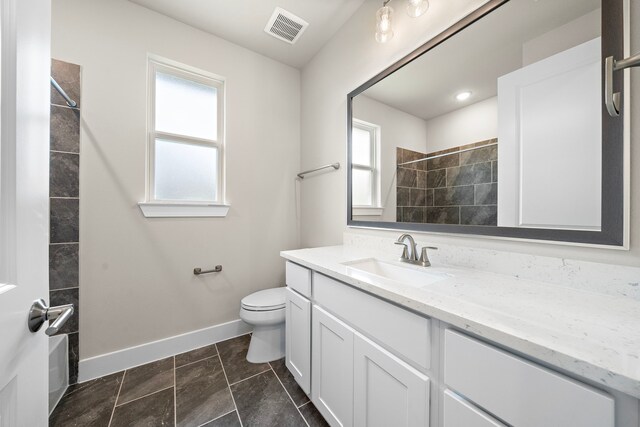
332	368
550	142
519	392
398	330
387	391
298	338
458	413
298	278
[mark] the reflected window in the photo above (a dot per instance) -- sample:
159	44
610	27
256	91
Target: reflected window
365	170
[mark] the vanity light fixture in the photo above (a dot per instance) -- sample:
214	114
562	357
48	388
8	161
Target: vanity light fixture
463	96
384	17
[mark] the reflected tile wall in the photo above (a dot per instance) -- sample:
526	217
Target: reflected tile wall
64	193
453	187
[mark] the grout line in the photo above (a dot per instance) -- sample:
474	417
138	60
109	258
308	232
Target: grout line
217	418
65	198
63	152
142	397
64	289
113	411
63	243
175	394
233	399
252	376
196	361
53	104
290	398
304	404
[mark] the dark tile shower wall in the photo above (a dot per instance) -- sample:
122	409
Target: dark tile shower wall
455	187
64	202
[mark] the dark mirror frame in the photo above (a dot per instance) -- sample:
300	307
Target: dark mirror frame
612	228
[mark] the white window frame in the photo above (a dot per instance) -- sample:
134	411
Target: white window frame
375	134
153	207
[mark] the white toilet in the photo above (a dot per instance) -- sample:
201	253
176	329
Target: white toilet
265	311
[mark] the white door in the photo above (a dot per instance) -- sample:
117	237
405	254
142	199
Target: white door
298	338
24	207
550	142
387	391
332	368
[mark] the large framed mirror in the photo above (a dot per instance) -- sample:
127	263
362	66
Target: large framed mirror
497	127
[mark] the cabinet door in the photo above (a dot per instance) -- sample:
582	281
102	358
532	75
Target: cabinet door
387	391
298	338
332	368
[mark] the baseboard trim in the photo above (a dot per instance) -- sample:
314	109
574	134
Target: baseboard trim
109	363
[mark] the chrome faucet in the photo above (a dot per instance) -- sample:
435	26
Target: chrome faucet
412	248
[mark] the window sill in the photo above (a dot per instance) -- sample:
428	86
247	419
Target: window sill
366	211
182	210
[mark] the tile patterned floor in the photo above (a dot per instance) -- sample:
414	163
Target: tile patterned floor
213	386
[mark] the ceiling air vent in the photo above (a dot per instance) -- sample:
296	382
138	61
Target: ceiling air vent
285	26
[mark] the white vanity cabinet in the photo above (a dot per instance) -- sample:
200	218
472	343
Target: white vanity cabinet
298	338
367	362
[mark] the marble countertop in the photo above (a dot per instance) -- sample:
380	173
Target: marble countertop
591	335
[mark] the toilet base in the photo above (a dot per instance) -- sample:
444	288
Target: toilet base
267	343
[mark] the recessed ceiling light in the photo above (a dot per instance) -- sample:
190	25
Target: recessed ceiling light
462	96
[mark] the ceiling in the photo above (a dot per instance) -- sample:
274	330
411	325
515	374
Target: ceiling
474	59
242	22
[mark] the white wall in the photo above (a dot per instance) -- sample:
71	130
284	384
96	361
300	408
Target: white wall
397	129
136	281
473	123
352	57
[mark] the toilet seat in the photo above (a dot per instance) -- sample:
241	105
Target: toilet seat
266	300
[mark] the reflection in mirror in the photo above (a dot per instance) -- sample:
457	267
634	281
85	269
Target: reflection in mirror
500	125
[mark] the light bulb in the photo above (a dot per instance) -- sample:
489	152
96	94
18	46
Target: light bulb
384	30
463	96
416	8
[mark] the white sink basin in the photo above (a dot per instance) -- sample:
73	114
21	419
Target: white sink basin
412	275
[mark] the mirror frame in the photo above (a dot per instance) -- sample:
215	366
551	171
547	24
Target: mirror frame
613	147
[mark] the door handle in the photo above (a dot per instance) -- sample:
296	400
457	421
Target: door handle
611	99
40	313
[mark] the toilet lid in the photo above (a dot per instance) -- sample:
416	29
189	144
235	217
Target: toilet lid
269	299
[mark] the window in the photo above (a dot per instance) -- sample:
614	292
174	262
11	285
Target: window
186	142
365	169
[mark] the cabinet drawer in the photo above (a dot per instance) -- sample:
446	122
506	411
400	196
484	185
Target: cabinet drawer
298	278
520	392
400	331
458	413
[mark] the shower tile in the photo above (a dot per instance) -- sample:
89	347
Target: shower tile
155	410
68	77
450	196
229	420
443	215
196	355
403	196
262	401
407	177
74	357
443	162
63	266
470	174
429	201
494	171
63	175
65	129
437	178
312	416
67	296
413	214
486	194
282	372
479	155
418	197
202	393
64	220
233	354
422	179
87	404
478	215
146	379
